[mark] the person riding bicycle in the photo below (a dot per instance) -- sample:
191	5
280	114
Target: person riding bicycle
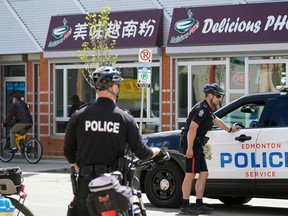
20	112
98	134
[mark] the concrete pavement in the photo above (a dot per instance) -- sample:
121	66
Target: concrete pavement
44	165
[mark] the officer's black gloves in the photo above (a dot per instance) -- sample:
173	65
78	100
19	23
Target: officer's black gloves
161	156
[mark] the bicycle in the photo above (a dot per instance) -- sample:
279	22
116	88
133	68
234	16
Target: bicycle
112	193
30	148
11	184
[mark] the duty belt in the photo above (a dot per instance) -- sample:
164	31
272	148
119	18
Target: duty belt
201	139
94	170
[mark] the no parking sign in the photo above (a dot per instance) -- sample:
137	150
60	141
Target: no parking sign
145	55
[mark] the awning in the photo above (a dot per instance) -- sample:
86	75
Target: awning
134	29
229	25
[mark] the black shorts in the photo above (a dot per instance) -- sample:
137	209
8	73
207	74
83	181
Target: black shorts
196	164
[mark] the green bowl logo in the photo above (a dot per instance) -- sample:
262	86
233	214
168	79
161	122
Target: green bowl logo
58	32
183	26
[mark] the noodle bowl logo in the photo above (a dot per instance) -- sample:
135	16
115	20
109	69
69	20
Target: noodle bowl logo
61	33
185	27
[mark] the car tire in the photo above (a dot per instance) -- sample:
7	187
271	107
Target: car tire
235	200
163	185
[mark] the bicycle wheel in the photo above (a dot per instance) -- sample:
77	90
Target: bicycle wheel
20	209
33	151
5	156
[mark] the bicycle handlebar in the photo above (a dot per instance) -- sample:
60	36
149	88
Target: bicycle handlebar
150	163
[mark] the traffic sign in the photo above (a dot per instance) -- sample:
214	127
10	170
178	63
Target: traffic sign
144	77
145	55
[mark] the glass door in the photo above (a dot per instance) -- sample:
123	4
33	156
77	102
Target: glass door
267	74
190	80
13	87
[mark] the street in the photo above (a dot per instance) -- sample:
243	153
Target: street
49	192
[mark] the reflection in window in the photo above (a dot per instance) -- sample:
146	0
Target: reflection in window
279	116
78	92
203	74
248	115
237	73
130	98
59	102
182	91
14	70
266	77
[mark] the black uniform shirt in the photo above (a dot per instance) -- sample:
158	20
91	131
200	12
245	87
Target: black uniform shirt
203	115
99	133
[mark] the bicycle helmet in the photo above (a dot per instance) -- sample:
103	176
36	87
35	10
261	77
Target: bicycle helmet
105	76
213	88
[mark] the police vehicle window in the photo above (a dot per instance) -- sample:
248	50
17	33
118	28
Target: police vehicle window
247	115
279	116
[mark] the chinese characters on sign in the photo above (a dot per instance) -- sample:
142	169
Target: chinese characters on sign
136	28
128	29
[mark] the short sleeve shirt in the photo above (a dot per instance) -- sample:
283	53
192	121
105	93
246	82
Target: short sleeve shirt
203	115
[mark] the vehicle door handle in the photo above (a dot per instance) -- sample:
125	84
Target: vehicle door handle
243	138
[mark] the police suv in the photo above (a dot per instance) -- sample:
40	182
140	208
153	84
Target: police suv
252	162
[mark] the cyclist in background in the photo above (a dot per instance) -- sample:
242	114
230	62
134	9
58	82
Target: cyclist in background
97	136
20	112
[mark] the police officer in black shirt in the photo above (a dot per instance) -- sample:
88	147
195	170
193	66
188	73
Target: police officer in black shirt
97	135
199	121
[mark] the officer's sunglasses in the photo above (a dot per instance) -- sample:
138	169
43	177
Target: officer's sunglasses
218	96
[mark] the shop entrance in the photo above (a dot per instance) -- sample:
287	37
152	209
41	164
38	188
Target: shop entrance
13	87
236	75
192	76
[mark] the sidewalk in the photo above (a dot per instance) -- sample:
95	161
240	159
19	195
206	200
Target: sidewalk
44	165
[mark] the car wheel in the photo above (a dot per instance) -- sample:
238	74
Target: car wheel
163	185
235	200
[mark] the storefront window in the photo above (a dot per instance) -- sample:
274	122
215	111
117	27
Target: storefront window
201	59
203	74
182	95
266	77
72	90
59	89
192	77
237	73
79	91
14	70
130	98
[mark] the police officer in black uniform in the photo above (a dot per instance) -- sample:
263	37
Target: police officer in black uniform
97	135
199	121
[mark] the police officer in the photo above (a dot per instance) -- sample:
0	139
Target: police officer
97	135
199	121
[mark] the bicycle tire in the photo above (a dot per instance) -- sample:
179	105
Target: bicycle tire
33	151
4	155
20	209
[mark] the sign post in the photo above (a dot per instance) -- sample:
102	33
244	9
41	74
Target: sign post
144	81
144	77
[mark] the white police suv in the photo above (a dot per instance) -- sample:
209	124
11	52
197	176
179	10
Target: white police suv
252	162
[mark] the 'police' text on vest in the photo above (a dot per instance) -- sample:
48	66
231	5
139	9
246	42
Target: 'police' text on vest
111	127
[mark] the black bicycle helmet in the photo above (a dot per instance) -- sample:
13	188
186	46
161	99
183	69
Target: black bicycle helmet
105	76
213	88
